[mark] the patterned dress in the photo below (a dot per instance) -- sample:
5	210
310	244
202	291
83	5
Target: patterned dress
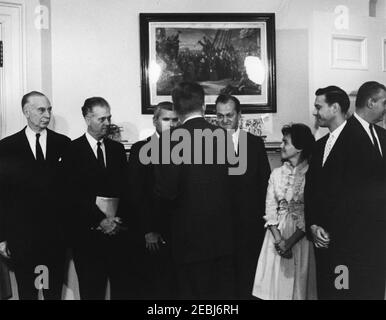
278	278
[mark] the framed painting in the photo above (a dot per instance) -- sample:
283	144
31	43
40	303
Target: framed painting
230	53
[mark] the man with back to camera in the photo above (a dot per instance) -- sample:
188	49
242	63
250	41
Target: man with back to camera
249	196
32	215
158	282
199	195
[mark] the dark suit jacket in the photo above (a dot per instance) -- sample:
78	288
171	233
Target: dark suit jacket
86	180
347	196
151	218
32	194
201	203
250	196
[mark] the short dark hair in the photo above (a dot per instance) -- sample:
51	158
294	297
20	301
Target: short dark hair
366	91
90	103
164	105
301	137
26	97
335	94
224	98
188	97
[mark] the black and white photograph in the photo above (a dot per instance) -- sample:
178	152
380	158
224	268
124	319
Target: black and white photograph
192	158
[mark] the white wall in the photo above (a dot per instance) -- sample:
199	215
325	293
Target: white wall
95	51
92	48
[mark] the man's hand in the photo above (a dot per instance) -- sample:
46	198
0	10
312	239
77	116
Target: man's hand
152	240
4	251
321	238
110	226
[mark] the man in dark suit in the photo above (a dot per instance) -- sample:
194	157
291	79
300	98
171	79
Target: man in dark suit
249	196
32	200
96	168
345	192
158	282
200	195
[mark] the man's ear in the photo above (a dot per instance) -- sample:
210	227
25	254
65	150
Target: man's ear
336	107
204	108
87	119
370	103
26	111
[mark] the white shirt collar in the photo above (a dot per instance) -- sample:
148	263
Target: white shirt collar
32	134
31	137
366	126
236	134
363	122
338	130
92	141
192	117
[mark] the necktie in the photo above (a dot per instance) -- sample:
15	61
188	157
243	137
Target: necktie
39	151
328	147
375	141
101	160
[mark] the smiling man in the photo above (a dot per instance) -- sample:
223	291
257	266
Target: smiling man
345	192
249	195
31	231
96	168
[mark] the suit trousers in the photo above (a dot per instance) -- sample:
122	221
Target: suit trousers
99	258
27	275
207	280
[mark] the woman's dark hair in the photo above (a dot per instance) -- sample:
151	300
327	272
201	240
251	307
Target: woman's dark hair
301	137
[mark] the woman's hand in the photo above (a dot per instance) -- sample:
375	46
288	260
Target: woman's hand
283	249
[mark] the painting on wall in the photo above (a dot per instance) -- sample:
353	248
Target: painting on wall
225	53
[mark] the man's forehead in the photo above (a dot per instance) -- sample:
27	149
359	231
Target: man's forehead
320	99
167	114
100	111
226	107
39	101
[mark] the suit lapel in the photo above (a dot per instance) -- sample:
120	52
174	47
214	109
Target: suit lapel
108	153
50	147
382	140
25	147
88	152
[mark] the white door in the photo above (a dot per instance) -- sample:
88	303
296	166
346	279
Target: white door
12	72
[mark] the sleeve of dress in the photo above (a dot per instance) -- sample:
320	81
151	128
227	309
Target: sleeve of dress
300	222
271	203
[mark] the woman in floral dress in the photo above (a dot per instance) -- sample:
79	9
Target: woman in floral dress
286	266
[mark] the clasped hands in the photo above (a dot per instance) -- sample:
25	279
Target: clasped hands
283	249
110	226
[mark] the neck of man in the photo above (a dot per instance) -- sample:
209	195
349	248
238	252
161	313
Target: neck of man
192	114
336	123
97	137
362	112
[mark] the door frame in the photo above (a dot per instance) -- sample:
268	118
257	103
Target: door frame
13	75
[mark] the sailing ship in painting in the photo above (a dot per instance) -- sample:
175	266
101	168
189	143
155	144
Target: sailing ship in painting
212	57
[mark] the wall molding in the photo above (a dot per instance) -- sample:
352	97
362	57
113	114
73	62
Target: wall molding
349	52
13	75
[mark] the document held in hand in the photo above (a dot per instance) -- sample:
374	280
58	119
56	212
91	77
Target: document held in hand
108	206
